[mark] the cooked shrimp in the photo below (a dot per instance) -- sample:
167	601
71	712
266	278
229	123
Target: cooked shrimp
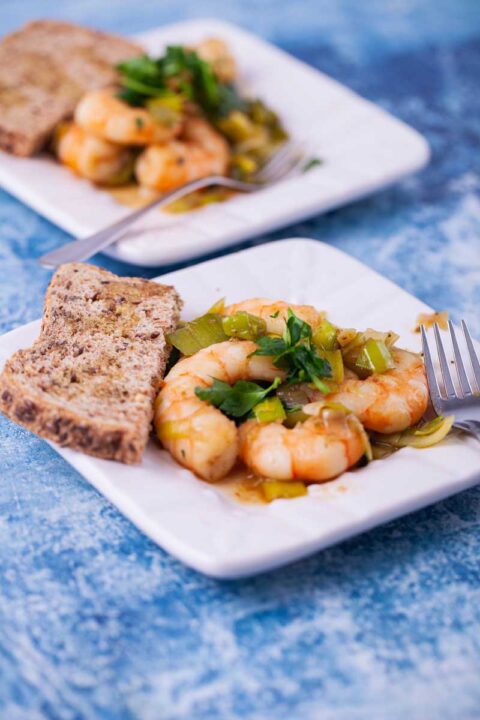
199	152
318	449
390	402
198	435
91	157
216	53
104	115
274	312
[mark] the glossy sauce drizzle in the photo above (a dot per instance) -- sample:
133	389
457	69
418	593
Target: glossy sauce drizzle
241	485
132	196
135	196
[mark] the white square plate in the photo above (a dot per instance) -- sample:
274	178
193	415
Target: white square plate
219	536
363	148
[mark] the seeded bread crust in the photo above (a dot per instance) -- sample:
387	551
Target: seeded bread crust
45	67
90	379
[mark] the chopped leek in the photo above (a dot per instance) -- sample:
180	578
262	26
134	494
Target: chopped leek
275	489
166	110
389	338
339	407
199	333
374	357
269	410
244	326
431	426
350	339
369	353
198	199
294	417
237	126
261	114
254	133
256	145
357	425
379	452
294	395
174	430
243	164
325	336
218	307
424	436
335	360
346	336
124	175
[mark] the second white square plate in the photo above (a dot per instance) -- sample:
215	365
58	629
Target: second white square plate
362	147
215	534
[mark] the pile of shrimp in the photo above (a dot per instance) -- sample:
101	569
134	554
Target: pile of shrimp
108	140
200	437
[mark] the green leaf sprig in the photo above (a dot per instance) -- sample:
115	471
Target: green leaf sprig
236	400
295	353
179	73
311	163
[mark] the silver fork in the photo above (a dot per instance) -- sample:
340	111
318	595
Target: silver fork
464	404
287	159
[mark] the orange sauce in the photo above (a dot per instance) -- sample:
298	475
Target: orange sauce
242	486
132	195
135	196
429	320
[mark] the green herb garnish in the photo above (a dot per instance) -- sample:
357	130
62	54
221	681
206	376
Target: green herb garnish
235	400
295	353
310	164
181	72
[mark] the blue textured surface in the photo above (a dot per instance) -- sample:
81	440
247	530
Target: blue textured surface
95	621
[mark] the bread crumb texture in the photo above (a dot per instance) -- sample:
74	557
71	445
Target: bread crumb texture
90	380
45	68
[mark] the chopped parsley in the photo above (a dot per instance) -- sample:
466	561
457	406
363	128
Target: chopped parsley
310	164
180	73
236	400
295	353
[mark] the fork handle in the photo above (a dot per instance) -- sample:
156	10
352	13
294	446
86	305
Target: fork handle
472	427
78	250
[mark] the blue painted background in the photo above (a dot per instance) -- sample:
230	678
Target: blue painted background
95	621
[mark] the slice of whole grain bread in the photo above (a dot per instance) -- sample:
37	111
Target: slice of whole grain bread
90	379
45	67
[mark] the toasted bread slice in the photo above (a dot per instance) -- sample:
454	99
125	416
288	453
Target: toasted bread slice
45	67
90	379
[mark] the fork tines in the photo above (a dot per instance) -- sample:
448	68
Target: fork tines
465	385
285	160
